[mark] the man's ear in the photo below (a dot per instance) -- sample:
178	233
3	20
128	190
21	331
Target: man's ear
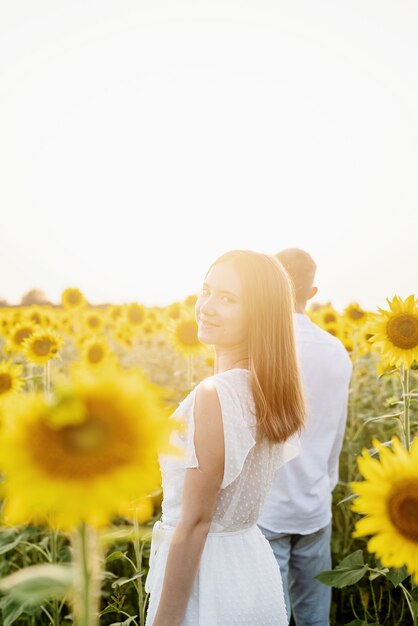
313	292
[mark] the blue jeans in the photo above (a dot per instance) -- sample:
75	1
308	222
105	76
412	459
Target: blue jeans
300	558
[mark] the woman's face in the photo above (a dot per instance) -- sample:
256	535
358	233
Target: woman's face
219	308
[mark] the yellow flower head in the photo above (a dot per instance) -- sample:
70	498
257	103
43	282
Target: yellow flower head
19	333
114	313
325	316
396	331
354	314
190	301
34	315
42	346
95	351
183	335
93	321
87	453
389	498
10	378
135	314
173	311
72	298
123	334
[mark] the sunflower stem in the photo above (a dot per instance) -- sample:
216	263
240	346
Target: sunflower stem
54	555
47	380
86	594
412	605
138	559
406	402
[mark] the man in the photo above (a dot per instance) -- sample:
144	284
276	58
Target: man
297	514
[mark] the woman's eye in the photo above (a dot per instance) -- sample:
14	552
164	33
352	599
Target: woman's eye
204	291
226	299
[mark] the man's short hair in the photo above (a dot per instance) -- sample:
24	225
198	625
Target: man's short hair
301	268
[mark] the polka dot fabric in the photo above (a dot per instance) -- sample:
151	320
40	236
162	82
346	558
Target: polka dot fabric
238	581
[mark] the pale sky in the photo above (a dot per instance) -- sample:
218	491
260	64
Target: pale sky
141	140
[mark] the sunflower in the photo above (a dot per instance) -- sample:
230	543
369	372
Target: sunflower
10	378
135	314
42	346
355	314
325	316
122	334
191	300
34	315
19	333
95	351
183	335
114	312
396	331
389	499
72	298
85	454
93	321
173	311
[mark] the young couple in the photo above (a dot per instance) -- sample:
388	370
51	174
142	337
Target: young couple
210	563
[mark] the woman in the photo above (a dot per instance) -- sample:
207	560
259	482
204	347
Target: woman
210	564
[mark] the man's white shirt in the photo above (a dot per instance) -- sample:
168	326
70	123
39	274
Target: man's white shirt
300	498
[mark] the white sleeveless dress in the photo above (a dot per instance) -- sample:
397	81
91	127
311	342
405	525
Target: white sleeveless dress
238	581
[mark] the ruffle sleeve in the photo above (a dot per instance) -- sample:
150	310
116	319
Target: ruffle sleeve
288	450
238	438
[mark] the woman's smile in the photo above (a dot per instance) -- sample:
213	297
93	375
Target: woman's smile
207	324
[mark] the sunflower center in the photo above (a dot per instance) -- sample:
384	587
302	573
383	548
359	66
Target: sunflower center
84	438
74	297
402	330
95	354
356	314
187	333
22	334
94	322
35	318
5	382
403	508
42	347
136	315
96	446
329	317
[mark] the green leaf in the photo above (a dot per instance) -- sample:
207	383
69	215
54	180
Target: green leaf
111	608
116	555
340	577
11	610
355	559
381	572
123	581
348	572
396	576
6	547
33	585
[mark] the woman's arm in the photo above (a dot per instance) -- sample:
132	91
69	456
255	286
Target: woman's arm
201	487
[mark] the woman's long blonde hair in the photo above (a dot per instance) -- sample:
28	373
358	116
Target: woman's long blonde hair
269	305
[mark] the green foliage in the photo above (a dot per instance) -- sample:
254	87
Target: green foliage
349	571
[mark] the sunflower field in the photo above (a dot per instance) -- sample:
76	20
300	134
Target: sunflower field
86	395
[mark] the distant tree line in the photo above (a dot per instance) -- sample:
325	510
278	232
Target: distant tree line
33	296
